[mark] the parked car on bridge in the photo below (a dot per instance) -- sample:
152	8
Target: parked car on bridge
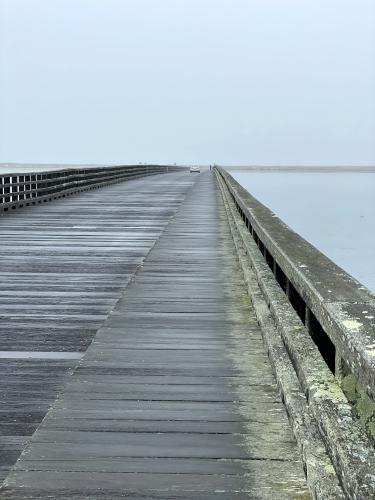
194	169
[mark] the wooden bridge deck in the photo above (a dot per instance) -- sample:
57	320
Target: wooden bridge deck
174	397
64	265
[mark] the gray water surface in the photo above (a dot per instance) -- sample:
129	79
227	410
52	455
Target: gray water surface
335	211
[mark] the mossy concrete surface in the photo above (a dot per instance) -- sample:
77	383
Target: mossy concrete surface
363	406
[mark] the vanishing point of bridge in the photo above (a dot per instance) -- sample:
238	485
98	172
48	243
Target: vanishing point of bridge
168	337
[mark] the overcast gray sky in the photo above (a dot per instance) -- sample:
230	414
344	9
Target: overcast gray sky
192	81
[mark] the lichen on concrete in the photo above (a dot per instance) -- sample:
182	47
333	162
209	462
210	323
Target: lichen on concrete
363	406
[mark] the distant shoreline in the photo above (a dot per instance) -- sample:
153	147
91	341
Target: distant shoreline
307	169
24	168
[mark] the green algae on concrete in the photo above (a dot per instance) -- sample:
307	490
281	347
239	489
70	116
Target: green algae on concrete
363	406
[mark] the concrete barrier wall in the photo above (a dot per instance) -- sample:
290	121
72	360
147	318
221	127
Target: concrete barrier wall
337	309
28	188
325	319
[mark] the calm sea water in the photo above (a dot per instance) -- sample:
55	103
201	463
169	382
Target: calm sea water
333	211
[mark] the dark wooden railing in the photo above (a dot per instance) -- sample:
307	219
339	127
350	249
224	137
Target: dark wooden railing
29	188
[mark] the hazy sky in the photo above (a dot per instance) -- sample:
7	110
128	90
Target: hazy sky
193	81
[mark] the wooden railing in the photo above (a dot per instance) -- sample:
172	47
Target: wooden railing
325	319
29	188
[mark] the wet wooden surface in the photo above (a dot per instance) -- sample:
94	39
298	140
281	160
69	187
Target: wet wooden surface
63	267
175	397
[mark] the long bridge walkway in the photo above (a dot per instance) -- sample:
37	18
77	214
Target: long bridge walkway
174	397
